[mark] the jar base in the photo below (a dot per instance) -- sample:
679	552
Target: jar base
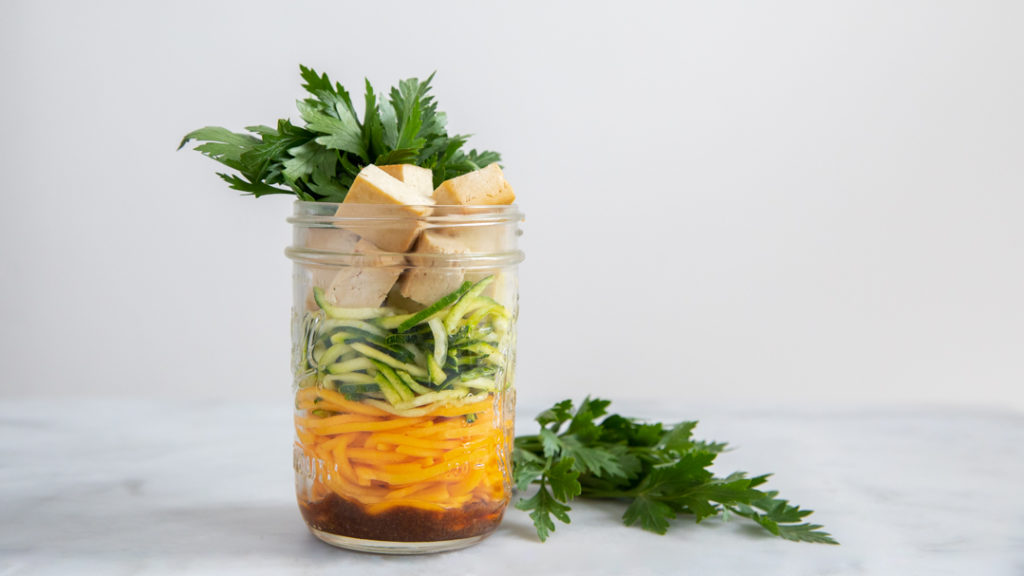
395	548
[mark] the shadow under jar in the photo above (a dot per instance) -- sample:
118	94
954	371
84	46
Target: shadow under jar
403	356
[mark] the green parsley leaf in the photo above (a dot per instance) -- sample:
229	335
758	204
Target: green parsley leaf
527	469
260	159
221	144
582	424
542	506
780	518
255	188
564	479
679	437
652	514
337	132
617	429
550	442
556	415
597	460
308	159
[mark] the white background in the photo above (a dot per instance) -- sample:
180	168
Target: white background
785	202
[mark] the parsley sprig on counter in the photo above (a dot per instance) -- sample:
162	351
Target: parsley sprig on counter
319	160
661	471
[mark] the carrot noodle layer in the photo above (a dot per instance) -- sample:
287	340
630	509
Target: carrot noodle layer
438	460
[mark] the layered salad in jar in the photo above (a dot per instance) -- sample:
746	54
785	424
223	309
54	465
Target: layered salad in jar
404	358
403	315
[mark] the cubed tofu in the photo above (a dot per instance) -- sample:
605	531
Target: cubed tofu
368	283
486	187
375	186
483	238
372	190
334	240
503	289
326	239
422	179
429	279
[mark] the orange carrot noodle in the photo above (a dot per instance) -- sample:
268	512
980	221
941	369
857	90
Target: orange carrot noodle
419	452
315	424
367	426
405	440
375	456
347	405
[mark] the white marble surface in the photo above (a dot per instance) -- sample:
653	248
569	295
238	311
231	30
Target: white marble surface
152	487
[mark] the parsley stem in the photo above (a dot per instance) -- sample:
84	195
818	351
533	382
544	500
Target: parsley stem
609	494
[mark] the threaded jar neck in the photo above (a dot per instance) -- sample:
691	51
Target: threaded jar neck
326	234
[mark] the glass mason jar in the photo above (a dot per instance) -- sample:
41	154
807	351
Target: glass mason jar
404	339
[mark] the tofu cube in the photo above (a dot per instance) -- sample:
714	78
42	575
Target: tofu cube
429	280
326	239
422	179
334	240
368	281
372	191
502	290
482	238
486	187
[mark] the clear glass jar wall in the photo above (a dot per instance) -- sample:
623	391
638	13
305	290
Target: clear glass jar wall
404	338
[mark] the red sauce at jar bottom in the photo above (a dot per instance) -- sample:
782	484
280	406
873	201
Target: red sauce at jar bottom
335	515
